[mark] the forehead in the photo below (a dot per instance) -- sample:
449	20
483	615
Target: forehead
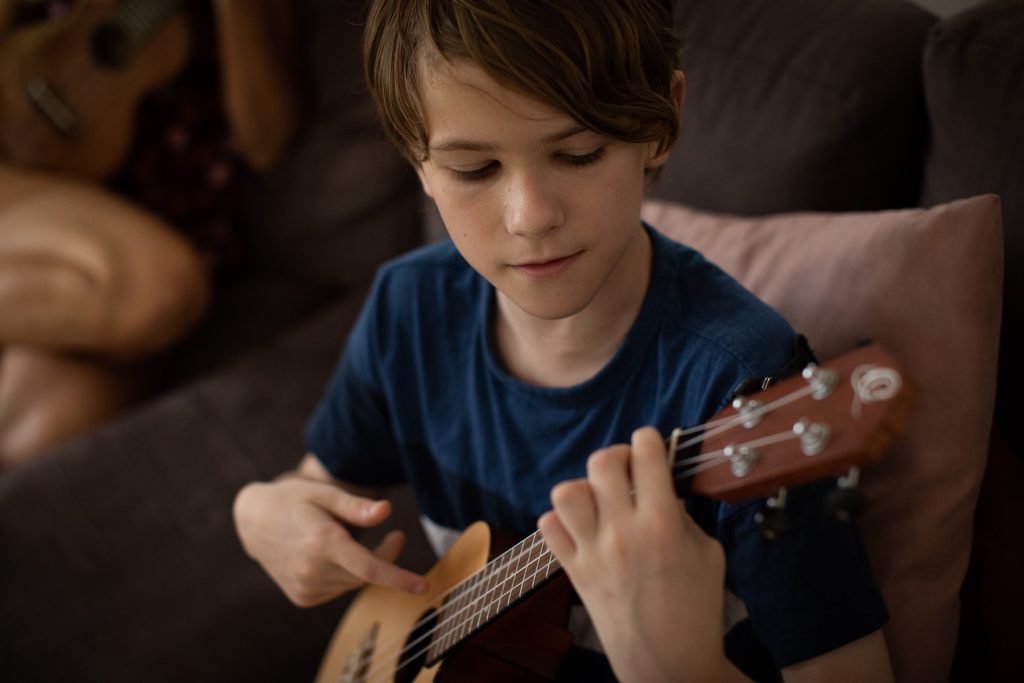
462	103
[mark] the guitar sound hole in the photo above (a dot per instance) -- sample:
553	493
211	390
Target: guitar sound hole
416	647
110	46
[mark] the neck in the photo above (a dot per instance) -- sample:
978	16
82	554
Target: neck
568	351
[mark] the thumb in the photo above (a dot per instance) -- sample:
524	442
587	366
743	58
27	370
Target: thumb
351	508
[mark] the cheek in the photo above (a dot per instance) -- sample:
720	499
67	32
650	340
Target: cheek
467	223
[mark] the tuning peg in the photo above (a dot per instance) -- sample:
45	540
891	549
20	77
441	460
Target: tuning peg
772	519
846	502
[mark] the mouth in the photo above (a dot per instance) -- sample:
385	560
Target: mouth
547	269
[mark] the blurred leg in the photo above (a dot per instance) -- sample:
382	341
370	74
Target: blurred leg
90	285
83	270
46	398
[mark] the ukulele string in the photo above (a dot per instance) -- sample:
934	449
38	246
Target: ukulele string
702	462
479	577
545	553
726	423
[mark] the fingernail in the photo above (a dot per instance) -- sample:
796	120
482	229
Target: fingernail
372	509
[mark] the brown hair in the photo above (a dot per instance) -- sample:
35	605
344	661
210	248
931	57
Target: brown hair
608	64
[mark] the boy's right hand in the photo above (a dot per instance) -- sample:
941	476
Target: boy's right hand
293	528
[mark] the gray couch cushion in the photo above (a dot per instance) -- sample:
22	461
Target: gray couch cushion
800	104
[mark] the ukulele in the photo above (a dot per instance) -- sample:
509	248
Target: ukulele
831	420
69	88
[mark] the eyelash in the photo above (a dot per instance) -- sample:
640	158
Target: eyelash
574	160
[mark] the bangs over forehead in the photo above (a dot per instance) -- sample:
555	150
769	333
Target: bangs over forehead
608	64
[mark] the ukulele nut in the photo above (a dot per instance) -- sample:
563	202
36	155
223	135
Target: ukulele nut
822	380
751	411
814	436
741	459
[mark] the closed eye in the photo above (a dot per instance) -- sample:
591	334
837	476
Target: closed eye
488	169
584	159
476	173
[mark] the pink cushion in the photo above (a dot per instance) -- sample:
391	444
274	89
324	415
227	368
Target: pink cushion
927	285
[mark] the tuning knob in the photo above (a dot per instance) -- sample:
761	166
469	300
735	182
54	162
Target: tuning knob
846	502
772	519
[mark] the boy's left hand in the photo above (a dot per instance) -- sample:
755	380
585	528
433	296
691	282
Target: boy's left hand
650	578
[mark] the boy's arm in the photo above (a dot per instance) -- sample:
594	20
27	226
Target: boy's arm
866	659
294	527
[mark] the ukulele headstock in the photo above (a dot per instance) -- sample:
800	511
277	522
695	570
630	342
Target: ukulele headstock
836	416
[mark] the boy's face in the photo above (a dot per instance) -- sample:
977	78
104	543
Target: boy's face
544	209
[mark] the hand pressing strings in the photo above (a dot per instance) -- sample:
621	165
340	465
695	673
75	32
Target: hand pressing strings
650	578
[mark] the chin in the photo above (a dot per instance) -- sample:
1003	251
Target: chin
551	308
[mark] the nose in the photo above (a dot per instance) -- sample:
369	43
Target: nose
533	206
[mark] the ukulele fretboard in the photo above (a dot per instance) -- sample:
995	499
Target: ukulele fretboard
488	593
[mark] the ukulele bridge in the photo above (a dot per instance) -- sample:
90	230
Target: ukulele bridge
357	666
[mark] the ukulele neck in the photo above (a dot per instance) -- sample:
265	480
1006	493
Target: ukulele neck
489	593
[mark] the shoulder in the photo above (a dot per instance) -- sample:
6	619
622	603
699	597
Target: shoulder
723	321
425	297
428	274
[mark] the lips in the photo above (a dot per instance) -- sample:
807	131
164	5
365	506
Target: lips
547	269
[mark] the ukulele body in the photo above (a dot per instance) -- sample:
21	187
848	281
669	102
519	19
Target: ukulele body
525	645
61	108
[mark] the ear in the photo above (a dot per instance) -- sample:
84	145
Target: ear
679	98
424	181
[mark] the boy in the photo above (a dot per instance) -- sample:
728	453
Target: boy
554	323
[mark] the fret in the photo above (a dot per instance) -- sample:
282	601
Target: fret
536	556
490	591
508	585
462	617
500	573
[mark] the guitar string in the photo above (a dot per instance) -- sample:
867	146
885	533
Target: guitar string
703	462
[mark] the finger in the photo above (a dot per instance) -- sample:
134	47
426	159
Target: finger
652	480
574	504
390	546
348	507
366	566
557	538
608	473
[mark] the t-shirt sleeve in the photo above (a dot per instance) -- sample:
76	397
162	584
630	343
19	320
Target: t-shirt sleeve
350	430
808	591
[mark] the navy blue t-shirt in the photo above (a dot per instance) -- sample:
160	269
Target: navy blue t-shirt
419	395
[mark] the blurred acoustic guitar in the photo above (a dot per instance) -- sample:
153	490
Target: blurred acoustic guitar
495	619
69	88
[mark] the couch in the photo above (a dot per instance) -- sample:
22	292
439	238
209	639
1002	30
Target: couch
118	559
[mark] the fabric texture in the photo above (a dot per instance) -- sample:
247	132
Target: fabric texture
420	395
974	84
799	105
926	284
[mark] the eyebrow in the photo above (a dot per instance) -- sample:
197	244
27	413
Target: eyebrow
475	146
